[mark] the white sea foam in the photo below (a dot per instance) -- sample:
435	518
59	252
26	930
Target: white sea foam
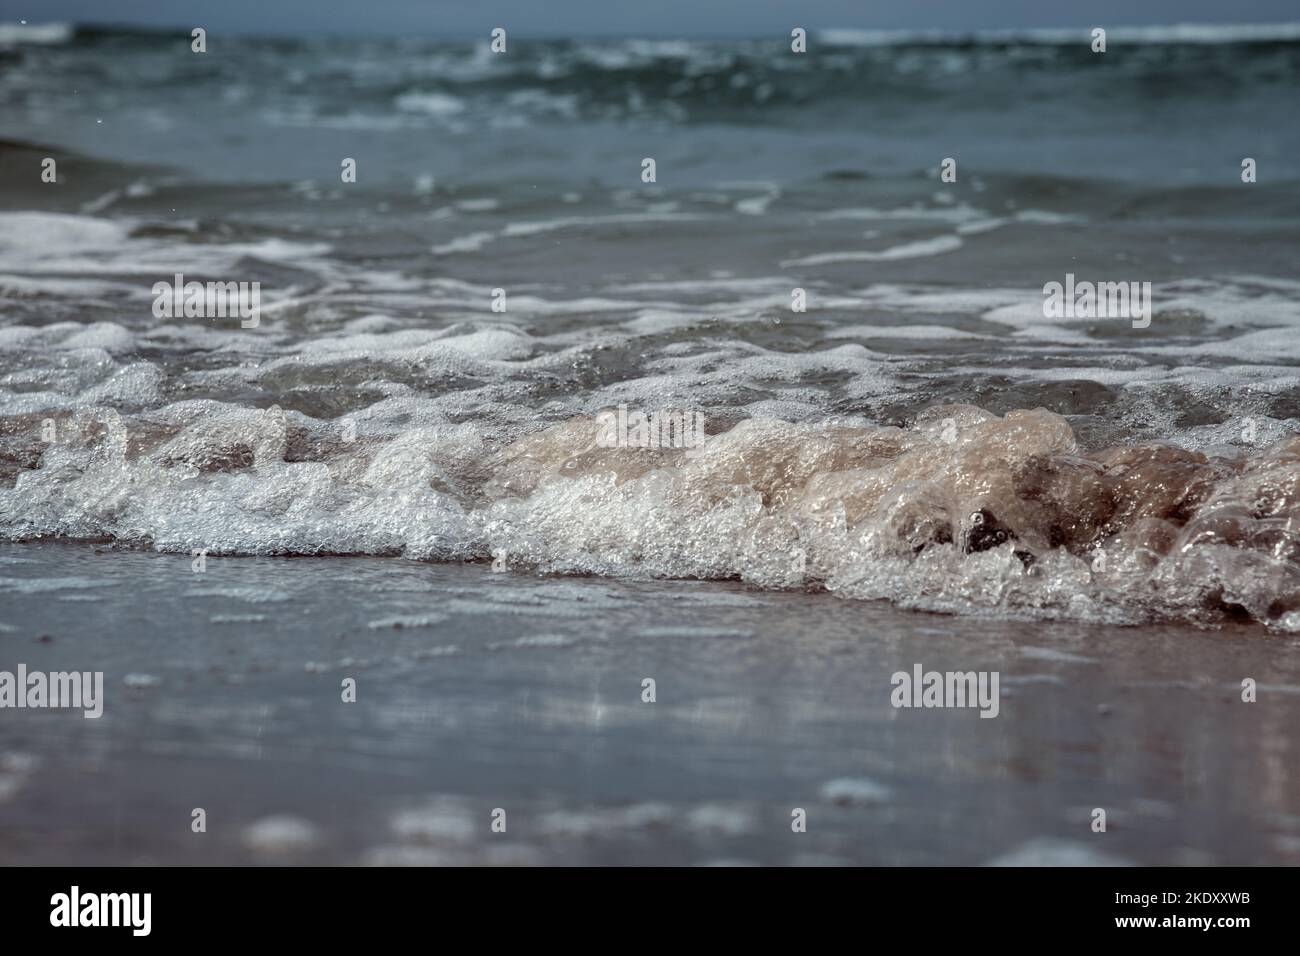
472	434
534	227
434	104
1206	33
280	835
1003	519
40	34
472	242
1050	851
908	250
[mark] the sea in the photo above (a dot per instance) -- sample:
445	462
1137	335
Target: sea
396	468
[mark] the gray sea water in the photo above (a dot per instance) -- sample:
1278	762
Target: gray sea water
478	691
920	467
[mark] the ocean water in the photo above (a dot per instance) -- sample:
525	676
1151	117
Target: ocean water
479	691
921	433
384	453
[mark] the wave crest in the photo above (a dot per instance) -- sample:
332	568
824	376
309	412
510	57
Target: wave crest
964	512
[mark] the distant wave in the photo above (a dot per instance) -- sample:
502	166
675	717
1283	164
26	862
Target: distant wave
420	82
1174	33
46	34
1178	33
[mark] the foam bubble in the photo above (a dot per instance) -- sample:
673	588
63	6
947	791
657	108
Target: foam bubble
965	512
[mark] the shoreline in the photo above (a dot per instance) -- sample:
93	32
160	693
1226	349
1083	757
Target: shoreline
479	691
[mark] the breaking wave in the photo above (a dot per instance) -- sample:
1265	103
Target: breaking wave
414	81
963	512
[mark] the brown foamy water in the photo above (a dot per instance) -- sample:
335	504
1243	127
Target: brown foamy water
964	511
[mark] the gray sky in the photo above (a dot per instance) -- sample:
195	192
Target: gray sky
643	17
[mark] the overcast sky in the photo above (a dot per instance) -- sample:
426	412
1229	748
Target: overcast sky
641	17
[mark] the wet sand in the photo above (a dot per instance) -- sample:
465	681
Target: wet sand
479	691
